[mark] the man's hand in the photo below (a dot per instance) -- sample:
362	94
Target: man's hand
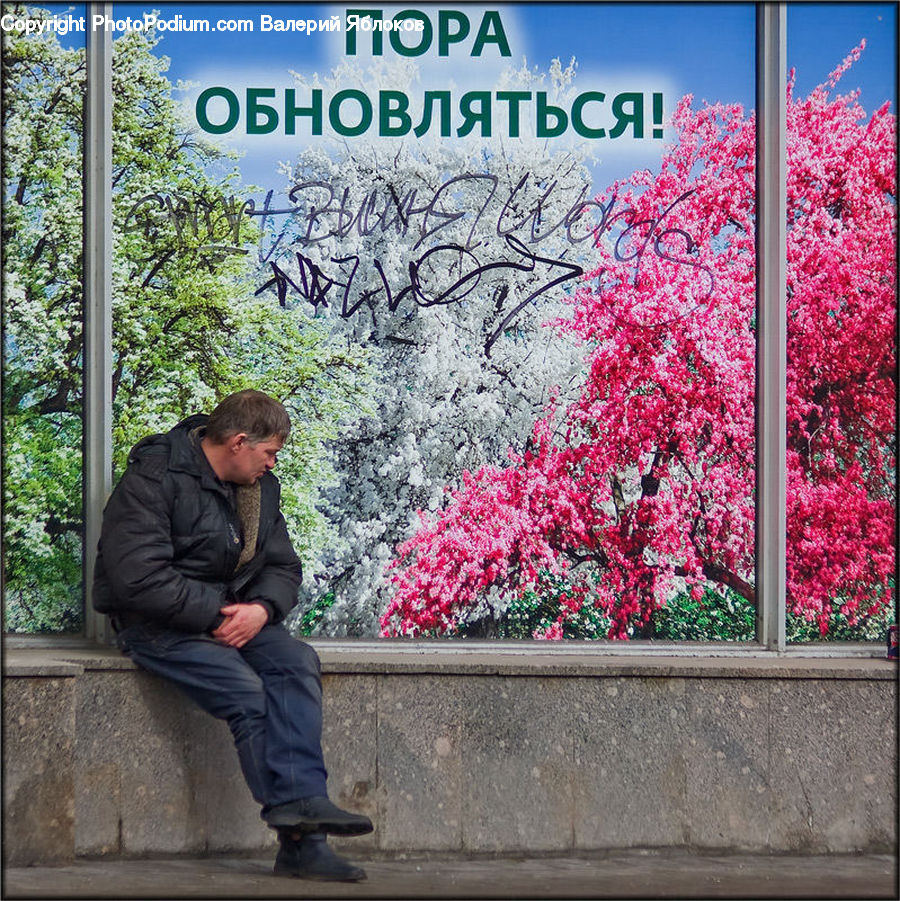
242	622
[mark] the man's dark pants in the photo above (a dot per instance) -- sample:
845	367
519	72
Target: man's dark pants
269	692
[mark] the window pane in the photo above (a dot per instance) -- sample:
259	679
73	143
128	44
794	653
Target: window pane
841	322
43	82
487	290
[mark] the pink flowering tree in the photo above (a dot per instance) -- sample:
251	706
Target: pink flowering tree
643	488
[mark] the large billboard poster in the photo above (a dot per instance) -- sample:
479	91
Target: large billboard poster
500	264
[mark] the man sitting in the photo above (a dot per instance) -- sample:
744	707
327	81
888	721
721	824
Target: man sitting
197	572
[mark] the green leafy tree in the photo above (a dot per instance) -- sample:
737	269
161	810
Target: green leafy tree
42	294
186	326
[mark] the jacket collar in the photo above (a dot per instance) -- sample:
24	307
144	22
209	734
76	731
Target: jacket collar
182	452
186	455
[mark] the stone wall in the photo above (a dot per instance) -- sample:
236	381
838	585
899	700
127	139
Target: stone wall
469	752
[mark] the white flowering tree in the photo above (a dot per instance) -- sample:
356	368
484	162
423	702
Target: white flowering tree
448	262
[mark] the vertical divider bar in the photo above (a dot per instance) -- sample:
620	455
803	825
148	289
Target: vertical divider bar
771	361
97	248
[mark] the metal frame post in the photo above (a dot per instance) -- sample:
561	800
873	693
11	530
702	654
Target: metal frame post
771	363
97	301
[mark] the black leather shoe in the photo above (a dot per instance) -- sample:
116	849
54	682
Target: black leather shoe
309	857
317	815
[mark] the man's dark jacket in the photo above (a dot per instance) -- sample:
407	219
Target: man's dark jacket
171	540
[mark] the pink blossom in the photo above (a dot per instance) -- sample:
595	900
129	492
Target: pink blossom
646	482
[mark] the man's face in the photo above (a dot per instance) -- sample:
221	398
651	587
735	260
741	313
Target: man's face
250	461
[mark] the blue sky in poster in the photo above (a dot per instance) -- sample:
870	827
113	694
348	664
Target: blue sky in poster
706	49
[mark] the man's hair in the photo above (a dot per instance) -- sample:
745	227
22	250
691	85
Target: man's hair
255	414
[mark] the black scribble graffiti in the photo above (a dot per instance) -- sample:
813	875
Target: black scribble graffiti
313	285
319	211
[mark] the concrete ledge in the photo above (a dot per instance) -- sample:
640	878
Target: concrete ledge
31	664
479	751
455	661
39	716
440	659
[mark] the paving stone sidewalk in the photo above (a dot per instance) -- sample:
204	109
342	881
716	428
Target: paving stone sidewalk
631	874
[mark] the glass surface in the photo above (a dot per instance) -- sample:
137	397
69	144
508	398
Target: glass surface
499	265
842	388
514	330
43	84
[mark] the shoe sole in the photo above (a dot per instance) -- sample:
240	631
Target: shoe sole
305	824
318	877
